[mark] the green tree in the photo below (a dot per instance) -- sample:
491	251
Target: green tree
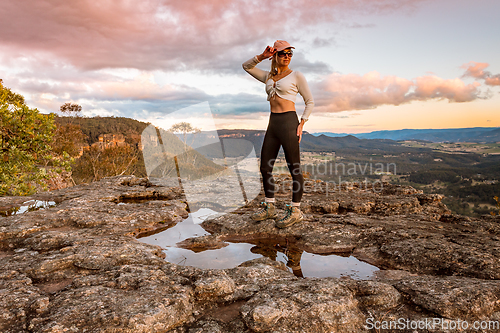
25	138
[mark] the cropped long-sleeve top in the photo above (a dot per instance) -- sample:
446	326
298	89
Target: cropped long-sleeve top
286	88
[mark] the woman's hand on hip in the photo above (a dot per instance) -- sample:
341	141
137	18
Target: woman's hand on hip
299	130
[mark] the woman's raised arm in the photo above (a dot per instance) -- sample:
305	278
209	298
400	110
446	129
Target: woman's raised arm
249	65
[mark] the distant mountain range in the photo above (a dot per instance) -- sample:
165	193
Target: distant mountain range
342	145
474	134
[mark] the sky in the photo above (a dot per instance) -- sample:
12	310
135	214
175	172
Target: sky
370	64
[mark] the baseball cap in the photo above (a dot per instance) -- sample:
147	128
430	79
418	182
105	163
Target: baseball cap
280	45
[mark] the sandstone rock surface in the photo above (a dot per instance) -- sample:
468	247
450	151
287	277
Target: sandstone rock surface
78	266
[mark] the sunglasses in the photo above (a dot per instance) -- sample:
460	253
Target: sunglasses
282	54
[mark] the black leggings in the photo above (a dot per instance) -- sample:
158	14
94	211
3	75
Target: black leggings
282	131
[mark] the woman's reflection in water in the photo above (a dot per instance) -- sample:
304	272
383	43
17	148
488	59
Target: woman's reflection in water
293	255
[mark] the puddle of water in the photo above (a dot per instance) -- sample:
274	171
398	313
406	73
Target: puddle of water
28	206
189	227
335	266
301	263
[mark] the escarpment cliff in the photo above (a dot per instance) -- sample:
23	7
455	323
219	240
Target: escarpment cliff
78	266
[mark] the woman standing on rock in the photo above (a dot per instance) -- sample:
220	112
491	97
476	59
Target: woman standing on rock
284	129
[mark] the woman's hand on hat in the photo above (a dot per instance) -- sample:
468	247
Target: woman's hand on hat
268	52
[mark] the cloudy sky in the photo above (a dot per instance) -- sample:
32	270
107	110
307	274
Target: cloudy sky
371	64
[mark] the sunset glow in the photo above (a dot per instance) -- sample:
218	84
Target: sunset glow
371	65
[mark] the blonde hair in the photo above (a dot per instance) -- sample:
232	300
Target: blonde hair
274	66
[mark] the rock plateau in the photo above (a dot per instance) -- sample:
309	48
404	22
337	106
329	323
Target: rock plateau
79	267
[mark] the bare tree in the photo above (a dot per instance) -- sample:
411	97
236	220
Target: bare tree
185	128
71	109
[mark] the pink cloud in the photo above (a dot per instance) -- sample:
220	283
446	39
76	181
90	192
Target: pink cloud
335	92
163	34
455	90
352	91
477	71
56	83
493	81
339	92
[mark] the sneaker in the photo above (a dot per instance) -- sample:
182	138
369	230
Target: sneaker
268	211
292	216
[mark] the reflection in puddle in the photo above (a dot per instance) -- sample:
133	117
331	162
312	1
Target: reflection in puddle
28	206
302	264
